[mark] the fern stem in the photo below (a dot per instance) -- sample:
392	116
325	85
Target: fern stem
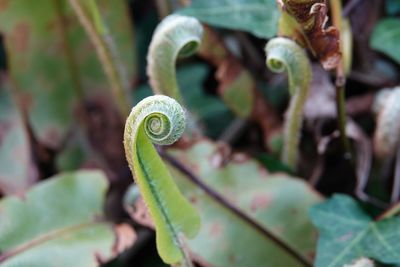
340	83
285	55
108	61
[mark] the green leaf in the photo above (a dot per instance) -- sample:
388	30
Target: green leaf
52	62
17	171
386	37
160	119
278	202
58	223
348	233
259	17
392	7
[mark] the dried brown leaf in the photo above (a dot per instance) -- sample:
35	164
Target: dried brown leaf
312	17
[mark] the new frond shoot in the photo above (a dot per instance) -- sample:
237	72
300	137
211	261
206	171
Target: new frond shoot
175	37
161	120
285	55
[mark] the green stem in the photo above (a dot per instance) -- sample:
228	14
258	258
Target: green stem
336	7
340	83
105	54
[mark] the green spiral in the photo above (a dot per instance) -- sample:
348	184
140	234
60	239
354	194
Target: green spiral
161	120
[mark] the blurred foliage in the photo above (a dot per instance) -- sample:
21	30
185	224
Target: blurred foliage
259	17
392	7
58	221
58	116
386	37
52	62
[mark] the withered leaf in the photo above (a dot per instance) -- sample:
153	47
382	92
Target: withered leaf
324	42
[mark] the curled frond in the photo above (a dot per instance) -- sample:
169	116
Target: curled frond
176	36
285	55
161	120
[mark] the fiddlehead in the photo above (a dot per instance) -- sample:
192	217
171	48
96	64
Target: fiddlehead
176	36
387	133
161	120
285	55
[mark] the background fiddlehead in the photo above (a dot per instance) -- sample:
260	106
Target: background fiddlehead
161	120
176	36
387	133
285	55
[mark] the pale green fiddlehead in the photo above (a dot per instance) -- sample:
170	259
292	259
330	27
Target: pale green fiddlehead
387	133
176	36
285	55
161	120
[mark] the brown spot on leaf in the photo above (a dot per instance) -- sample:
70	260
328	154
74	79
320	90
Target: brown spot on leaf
4	5
260	202
345	237
215	229
20	37
4	128
232	258
221	156
193	199
311	255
